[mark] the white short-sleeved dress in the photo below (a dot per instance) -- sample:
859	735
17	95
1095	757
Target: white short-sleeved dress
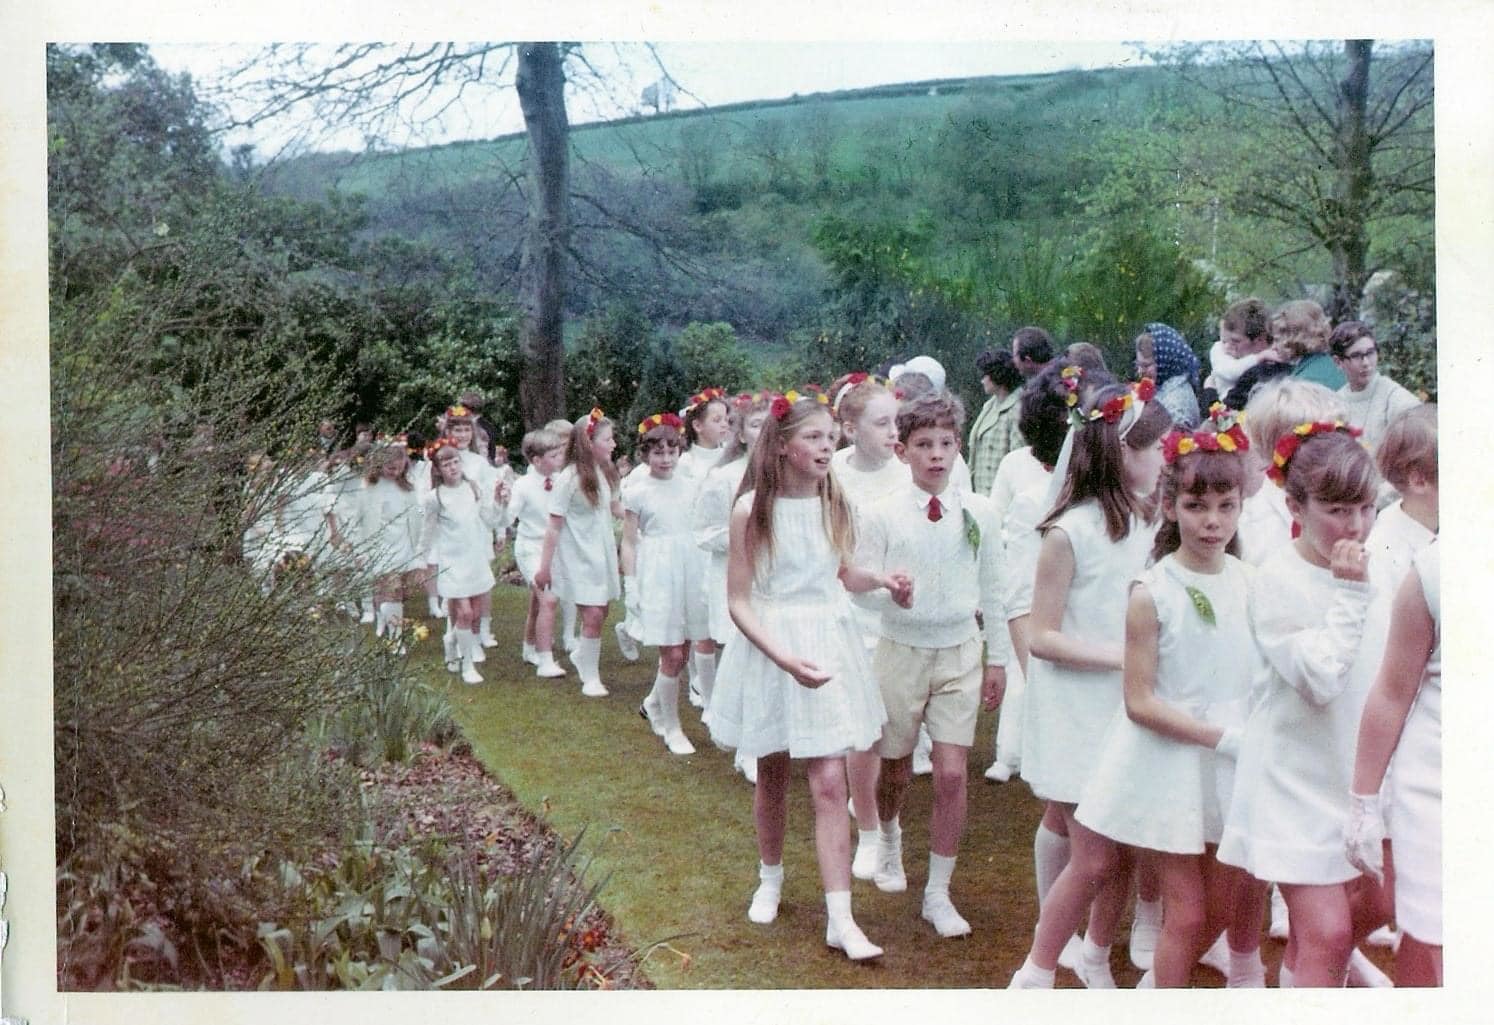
584	567
1150	790
390	521
759	709
711	529
457	538
1416	788
529	512
303	520
669	611
1021	497
1066	711
862	488
1286	818
695	465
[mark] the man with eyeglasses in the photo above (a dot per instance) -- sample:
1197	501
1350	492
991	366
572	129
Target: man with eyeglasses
1371	400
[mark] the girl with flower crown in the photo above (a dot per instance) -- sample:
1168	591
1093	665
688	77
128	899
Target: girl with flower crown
658	553
707	425
1095	538
711	524
1286	817
391	517
579	558
798	684
457	542
865	470
461	427
1163	777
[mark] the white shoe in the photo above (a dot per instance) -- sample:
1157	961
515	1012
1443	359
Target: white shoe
366	617
847	937
939	911
1021	980
889	876
487	640
677	742
999	772
549	669
626	644
1147	981
1217	956
470	674
1363	974
864	864
530	655
1384	936
1094	975
1145	931
1068	957
748	768
764	906
1280	923
434	608
1255	978
477	653
593	689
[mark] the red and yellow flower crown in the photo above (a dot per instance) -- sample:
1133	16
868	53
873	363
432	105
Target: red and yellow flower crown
660	420
1228	435
704	396
459	411
783	403
1112	409
1287	444
859	377
593	418
445	441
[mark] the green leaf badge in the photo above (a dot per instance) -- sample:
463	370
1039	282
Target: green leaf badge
972	531
1201	603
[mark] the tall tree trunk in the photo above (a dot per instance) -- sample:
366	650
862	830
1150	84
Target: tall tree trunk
1349	240
541	86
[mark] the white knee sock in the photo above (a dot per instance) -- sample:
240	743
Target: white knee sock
485	626
390	614
1050	853
588	654
705	675
666	695
568	617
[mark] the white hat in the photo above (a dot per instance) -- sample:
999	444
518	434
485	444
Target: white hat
928	366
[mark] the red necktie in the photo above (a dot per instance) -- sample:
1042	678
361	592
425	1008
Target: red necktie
549	483
935	512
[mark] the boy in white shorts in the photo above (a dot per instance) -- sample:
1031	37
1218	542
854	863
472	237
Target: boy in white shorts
928	662
529	507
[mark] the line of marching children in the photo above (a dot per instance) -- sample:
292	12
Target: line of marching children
1188	716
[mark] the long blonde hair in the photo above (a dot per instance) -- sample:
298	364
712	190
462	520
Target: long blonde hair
580	455
766	474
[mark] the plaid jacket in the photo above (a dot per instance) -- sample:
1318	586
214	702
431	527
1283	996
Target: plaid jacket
992	436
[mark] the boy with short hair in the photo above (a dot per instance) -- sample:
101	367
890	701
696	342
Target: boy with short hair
928	661
529	508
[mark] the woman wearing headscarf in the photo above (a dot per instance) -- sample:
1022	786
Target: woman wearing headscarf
1163	355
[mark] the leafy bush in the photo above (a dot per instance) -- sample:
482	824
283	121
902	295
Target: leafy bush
712	357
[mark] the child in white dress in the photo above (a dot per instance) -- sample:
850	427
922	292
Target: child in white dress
529	510
1286	817
798	685
456	540
1165	770
707	424
461	426
658	553
1403	716
866	470
1095	539
579	557
390	518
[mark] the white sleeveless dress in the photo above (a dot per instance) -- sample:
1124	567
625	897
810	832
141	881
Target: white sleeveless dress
759	709
1416	788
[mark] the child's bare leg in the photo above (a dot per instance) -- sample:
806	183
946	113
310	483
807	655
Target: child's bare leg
1094	861
1181	879
832	844
862	770
1417	964
1322	933
531	616
770	806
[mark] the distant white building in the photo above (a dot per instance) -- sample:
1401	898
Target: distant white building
660	95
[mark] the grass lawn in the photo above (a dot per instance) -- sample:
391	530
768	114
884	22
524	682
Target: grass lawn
676	835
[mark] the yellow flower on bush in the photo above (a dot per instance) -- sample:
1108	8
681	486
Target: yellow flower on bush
421	631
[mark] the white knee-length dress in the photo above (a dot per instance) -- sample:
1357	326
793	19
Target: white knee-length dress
759	709
1066	711
1150	790
583	569
666	561
711	529
1416	787
390	519
457	538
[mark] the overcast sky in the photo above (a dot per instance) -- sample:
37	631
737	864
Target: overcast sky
714	73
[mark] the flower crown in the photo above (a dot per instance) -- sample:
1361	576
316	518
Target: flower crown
1287	445
445	441
1228	435
783	403
660	420
859	377
703	397
593	418
460	411
1113	409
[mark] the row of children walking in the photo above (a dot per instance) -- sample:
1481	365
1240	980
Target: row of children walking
1186	715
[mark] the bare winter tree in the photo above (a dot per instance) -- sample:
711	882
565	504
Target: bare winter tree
390	91
1346	132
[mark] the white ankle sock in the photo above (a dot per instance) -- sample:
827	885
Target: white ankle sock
1148	912
866	836
1242	965
1285	981
891	830
1031	969
838	905
1094	953
529	652
770	874
1050	853
940	869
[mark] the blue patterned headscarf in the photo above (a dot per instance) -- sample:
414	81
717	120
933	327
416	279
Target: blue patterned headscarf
1174	358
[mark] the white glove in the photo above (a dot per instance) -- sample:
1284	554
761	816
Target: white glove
1364	836
1229	743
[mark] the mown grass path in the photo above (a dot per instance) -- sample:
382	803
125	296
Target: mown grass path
676	835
